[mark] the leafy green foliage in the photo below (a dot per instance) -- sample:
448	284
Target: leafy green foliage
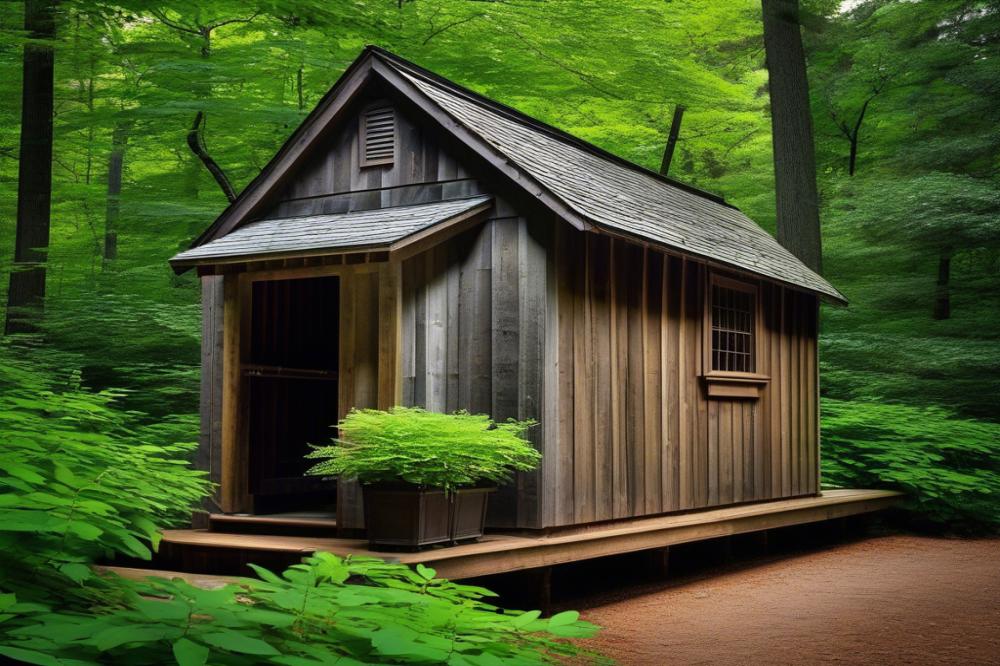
79	478
425	448
948	467
352	610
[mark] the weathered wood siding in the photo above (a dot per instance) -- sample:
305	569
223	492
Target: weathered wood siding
635	432
332	180
473	332
597	338
209	454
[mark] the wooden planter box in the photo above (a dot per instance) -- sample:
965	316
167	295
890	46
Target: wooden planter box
404	516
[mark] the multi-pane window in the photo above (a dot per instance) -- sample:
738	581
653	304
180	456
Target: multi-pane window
733	329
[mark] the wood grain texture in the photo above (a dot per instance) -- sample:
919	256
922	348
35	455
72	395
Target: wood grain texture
474	337
208	456
632	327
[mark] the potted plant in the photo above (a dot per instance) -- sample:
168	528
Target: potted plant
425	476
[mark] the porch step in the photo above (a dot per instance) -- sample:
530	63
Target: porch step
311	523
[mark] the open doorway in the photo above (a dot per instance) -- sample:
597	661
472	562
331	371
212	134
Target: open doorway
292	382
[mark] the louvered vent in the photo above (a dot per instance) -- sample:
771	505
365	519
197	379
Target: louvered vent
378	129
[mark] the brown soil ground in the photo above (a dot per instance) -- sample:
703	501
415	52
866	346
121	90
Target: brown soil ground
884	600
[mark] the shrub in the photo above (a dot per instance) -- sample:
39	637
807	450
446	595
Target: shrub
426	449
79	481
948	467
80	478
327	610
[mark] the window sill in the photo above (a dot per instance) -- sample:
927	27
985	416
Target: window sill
741	385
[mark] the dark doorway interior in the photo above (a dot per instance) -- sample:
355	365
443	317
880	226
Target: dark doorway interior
292	382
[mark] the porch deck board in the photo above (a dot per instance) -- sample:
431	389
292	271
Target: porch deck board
505	552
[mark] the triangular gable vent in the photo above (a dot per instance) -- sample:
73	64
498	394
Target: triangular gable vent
378	134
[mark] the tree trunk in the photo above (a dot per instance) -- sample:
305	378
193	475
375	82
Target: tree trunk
34	178
792	133
116	162
675	128
942	299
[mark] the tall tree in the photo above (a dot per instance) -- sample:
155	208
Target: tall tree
796	194
34	178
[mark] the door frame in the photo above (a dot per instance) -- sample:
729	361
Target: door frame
234	495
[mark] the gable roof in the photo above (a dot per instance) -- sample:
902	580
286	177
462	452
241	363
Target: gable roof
583	184
365	230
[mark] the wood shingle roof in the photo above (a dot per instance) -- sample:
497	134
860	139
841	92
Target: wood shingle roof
613	194
376	229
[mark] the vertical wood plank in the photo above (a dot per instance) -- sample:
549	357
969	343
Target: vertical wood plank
436	331
451	256
532	242
784	386
566	267
672	408
208	457
390	338
686	465
697	350
583	440
652	396
726	438
552	398
605	414
505	349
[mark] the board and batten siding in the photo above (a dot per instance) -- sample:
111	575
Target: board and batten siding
635	431
332	180
598	338
473	327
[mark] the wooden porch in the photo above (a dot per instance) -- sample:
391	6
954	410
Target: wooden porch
217	552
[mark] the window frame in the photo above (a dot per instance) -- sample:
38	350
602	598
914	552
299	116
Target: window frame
731	383
363	161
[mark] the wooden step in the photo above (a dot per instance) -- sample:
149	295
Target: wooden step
312	523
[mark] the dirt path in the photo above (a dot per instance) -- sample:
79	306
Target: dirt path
885	600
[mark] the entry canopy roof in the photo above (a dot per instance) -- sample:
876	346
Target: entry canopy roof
364	230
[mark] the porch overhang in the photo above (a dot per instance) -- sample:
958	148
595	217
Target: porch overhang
400	230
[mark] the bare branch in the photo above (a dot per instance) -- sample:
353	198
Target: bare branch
173	24
196	142
219	24
449	26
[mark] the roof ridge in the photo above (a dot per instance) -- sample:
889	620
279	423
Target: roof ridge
523	118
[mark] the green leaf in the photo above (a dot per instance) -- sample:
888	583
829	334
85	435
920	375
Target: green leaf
525	619
189	653
76	572
564	618
28	656
426	572
115	636
240	643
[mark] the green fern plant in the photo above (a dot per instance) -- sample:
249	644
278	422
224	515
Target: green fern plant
426	448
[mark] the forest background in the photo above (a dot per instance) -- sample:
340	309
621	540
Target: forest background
905	101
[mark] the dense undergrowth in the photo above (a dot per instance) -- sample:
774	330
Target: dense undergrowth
82	480
948	467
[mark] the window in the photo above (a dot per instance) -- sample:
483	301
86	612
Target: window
733	326
378	136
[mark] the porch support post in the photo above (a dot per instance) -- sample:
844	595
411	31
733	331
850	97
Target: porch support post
390	317
233	491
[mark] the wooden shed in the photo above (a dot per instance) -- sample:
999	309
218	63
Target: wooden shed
416	243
